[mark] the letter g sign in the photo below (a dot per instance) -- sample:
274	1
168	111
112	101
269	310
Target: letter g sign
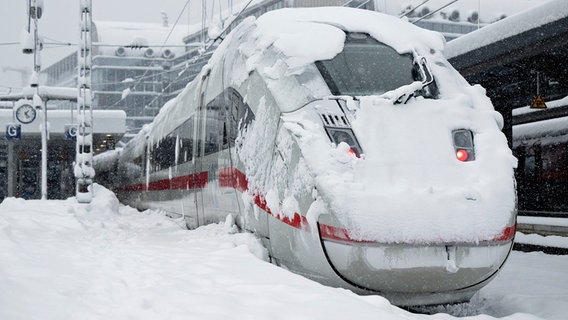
13	131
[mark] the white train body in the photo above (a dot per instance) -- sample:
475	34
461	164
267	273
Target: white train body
348	144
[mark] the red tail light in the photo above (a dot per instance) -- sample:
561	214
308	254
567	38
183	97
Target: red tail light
462	155
463	145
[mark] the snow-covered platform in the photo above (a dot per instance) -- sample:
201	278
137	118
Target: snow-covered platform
64	260
544	225
546	234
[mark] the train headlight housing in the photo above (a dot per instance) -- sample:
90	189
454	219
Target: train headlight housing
463	145
338	135
339	130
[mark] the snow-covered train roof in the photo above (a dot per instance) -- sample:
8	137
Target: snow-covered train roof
298	37
282	46
303	36
310	34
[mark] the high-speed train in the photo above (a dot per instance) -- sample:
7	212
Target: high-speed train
346	142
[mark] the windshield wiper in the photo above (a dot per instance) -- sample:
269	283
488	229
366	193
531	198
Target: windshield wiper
402	94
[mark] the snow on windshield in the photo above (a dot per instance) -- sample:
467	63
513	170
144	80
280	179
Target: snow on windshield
282	46
366	67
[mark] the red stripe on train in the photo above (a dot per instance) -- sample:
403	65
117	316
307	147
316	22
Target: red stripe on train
187	182
192	181
234	178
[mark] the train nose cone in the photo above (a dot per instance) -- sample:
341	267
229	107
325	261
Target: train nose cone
400	270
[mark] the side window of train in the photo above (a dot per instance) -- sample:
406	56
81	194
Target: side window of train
164	152
185	142
139	162
239	116
214	125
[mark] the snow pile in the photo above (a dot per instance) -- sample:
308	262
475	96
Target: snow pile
61	260
547	241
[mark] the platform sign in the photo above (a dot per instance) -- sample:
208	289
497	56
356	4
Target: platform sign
13	131
71	132
538	103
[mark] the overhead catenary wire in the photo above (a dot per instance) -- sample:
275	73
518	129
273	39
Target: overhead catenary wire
404	14
235	19
435	11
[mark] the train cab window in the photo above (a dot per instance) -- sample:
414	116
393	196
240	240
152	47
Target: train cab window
367	67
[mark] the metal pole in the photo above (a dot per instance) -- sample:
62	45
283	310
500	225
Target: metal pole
84	171
37	102
538	83
44	156
11	169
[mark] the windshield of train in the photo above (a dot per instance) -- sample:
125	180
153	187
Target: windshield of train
367	67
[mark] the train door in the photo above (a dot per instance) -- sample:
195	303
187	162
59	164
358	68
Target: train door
200	175
219	197
230	181
239	116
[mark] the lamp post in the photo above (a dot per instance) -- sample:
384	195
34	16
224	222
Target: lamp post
32	45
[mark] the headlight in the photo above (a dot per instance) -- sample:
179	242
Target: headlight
338	135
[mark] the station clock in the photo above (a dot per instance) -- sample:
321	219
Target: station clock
26	113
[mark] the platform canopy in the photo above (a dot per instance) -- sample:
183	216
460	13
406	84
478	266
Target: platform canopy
109	126
518	56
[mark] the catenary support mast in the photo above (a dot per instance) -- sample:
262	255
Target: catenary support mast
84	171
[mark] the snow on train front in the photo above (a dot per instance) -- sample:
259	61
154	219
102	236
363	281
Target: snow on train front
413	190
399	208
